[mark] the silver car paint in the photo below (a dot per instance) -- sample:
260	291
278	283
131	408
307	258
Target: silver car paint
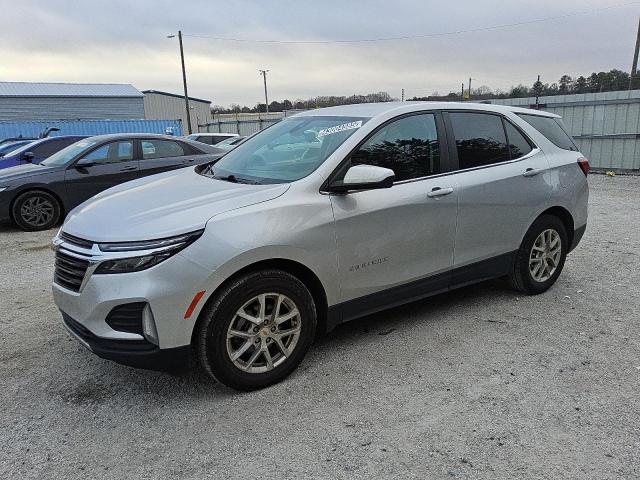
485	215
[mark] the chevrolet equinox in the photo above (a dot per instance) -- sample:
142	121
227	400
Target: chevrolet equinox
326	216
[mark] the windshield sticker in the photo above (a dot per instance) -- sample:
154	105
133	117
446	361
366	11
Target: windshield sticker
339	128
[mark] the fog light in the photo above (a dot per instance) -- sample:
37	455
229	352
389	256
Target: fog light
149	325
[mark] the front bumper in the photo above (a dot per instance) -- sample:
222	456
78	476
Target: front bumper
134	353
5	201
166	290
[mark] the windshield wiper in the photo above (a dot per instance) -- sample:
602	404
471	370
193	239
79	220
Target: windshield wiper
234	179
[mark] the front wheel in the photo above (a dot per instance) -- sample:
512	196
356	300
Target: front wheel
541	256
36	210
256	330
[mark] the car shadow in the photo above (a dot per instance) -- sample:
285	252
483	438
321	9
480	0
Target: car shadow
192	382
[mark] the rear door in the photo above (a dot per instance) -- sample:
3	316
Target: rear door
103	167
397	242
502	181
159	155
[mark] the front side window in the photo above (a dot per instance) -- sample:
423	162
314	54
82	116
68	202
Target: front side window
408	146
111	153
287	151
480	139
161	149
67	154
552	128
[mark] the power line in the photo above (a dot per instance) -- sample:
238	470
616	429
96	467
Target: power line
413	37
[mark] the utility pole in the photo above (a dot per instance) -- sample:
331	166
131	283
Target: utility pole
634	67
403	94
469	88
462	94
266	99
184	82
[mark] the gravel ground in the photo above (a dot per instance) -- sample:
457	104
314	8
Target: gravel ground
478	383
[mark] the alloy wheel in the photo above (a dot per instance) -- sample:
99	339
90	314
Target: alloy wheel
37	211
263	333
545	255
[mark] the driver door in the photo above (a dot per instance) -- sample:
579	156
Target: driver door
106	166
397	243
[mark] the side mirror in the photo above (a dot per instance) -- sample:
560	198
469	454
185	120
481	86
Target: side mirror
28	156
364	177
84	163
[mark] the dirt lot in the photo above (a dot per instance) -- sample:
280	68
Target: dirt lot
478	383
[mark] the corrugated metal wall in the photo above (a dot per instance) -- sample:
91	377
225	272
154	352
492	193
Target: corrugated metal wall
245	123
157	106
70	108
89	127
606	126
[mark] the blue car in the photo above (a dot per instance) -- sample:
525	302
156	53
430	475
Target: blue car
13	145
37	150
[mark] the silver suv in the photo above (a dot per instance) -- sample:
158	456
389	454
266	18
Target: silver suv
324	217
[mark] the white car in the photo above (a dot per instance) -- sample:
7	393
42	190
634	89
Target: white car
211	138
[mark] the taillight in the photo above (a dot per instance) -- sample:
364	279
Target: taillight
584	165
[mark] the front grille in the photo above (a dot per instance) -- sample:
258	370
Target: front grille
127	317
69	271
79	242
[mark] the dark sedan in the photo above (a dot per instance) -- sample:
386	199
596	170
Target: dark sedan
37	196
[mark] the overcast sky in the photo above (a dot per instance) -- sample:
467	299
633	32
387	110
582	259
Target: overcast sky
126	42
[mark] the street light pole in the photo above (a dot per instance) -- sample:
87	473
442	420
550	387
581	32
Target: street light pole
184	82
266	99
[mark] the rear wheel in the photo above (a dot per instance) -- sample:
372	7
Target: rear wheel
36	210
257	330
541	256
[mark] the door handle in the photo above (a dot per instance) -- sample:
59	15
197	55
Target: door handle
128	169
530	172
439	192
189	160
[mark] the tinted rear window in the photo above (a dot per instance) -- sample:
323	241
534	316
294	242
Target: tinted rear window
480	139
551	128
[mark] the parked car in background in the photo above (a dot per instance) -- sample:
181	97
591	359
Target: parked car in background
12	145
230	143
326	216
36	196
211	138
37	150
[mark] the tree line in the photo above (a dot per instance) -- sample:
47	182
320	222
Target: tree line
300	104
566	85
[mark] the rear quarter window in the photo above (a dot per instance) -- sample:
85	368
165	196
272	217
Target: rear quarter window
552	129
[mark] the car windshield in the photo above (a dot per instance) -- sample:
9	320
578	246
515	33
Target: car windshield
285	152
228	141
20	148
67	154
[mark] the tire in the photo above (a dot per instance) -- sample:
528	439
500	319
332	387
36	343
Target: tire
536	271
36	210
216	343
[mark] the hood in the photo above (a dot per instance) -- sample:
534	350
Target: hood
161	206
19	172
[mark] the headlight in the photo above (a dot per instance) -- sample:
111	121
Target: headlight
151	252
2	189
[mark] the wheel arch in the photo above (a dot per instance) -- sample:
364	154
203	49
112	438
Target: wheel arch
565	217
293	267
37	188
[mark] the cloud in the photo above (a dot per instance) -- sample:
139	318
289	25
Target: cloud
123	41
